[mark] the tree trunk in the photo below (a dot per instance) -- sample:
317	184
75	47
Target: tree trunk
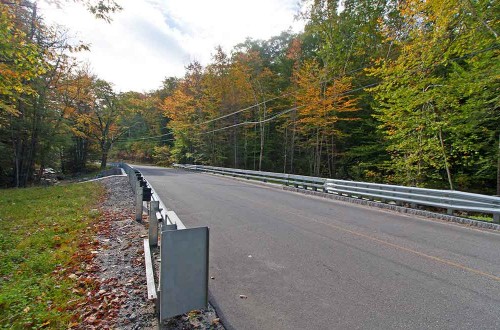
316	154
498	167
245	149
448	173
285	145
104	158
292	147
262	137
334	160
235	143
254	147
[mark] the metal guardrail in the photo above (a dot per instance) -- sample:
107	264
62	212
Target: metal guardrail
451	200
183	266
303	181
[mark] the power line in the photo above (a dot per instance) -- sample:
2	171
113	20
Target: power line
144	138
244	109
285	111
255	122
495	45
367	65
278	97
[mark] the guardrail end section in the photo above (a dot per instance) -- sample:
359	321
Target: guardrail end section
150	280
183	271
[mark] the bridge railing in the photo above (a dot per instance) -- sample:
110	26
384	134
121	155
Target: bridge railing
303	181
450	200
180	282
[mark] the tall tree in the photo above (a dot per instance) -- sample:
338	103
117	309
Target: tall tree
425	99
106	118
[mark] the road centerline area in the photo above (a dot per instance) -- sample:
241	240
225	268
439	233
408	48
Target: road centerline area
396	246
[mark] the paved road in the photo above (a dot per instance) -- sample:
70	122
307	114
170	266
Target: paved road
310	263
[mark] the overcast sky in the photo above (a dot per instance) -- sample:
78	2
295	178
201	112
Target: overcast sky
153	39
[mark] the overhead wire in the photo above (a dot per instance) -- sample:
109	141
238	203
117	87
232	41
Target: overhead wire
367	65
495	45
144	138
284	112
255	122
277	97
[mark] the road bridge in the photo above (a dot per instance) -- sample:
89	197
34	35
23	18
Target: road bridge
309	263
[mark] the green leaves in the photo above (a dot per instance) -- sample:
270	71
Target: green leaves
433	95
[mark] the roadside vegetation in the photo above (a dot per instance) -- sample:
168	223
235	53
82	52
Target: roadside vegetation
42	231
401	92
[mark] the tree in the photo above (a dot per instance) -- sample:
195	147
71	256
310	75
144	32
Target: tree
321	105
426	101
107	118
20	58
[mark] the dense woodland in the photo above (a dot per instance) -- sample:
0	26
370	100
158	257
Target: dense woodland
403	92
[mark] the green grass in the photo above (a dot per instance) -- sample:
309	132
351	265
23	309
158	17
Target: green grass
40	230
485	218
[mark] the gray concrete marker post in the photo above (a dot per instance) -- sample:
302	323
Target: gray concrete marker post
138	201
154	207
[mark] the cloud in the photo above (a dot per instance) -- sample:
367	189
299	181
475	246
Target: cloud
153	39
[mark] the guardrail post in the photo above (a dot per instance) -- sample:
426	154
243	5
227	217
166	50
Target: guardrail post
154	207
138	201
496	218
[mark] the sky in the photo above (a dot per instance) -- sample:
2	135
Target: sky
150	40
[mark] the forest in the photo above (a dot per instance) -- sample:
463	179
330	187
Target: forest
402	92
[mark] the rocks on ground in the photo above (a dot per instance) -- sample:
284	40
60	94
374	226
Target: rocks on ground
118	294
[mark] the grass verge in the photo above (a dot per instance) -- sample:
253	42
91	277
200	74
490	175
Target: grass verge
40	232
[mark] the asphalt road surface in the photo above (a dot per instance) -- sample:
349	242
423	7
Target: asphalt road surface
311	263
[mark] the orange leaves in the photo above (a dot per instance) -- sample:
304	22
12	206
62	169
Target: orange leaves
324	101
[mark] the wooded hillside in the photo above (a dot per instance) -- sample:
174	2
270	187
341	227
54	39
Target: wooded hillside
403	92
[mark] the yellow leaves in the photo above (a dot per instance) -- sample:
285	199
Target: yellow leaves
179	106
323	101
21	59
